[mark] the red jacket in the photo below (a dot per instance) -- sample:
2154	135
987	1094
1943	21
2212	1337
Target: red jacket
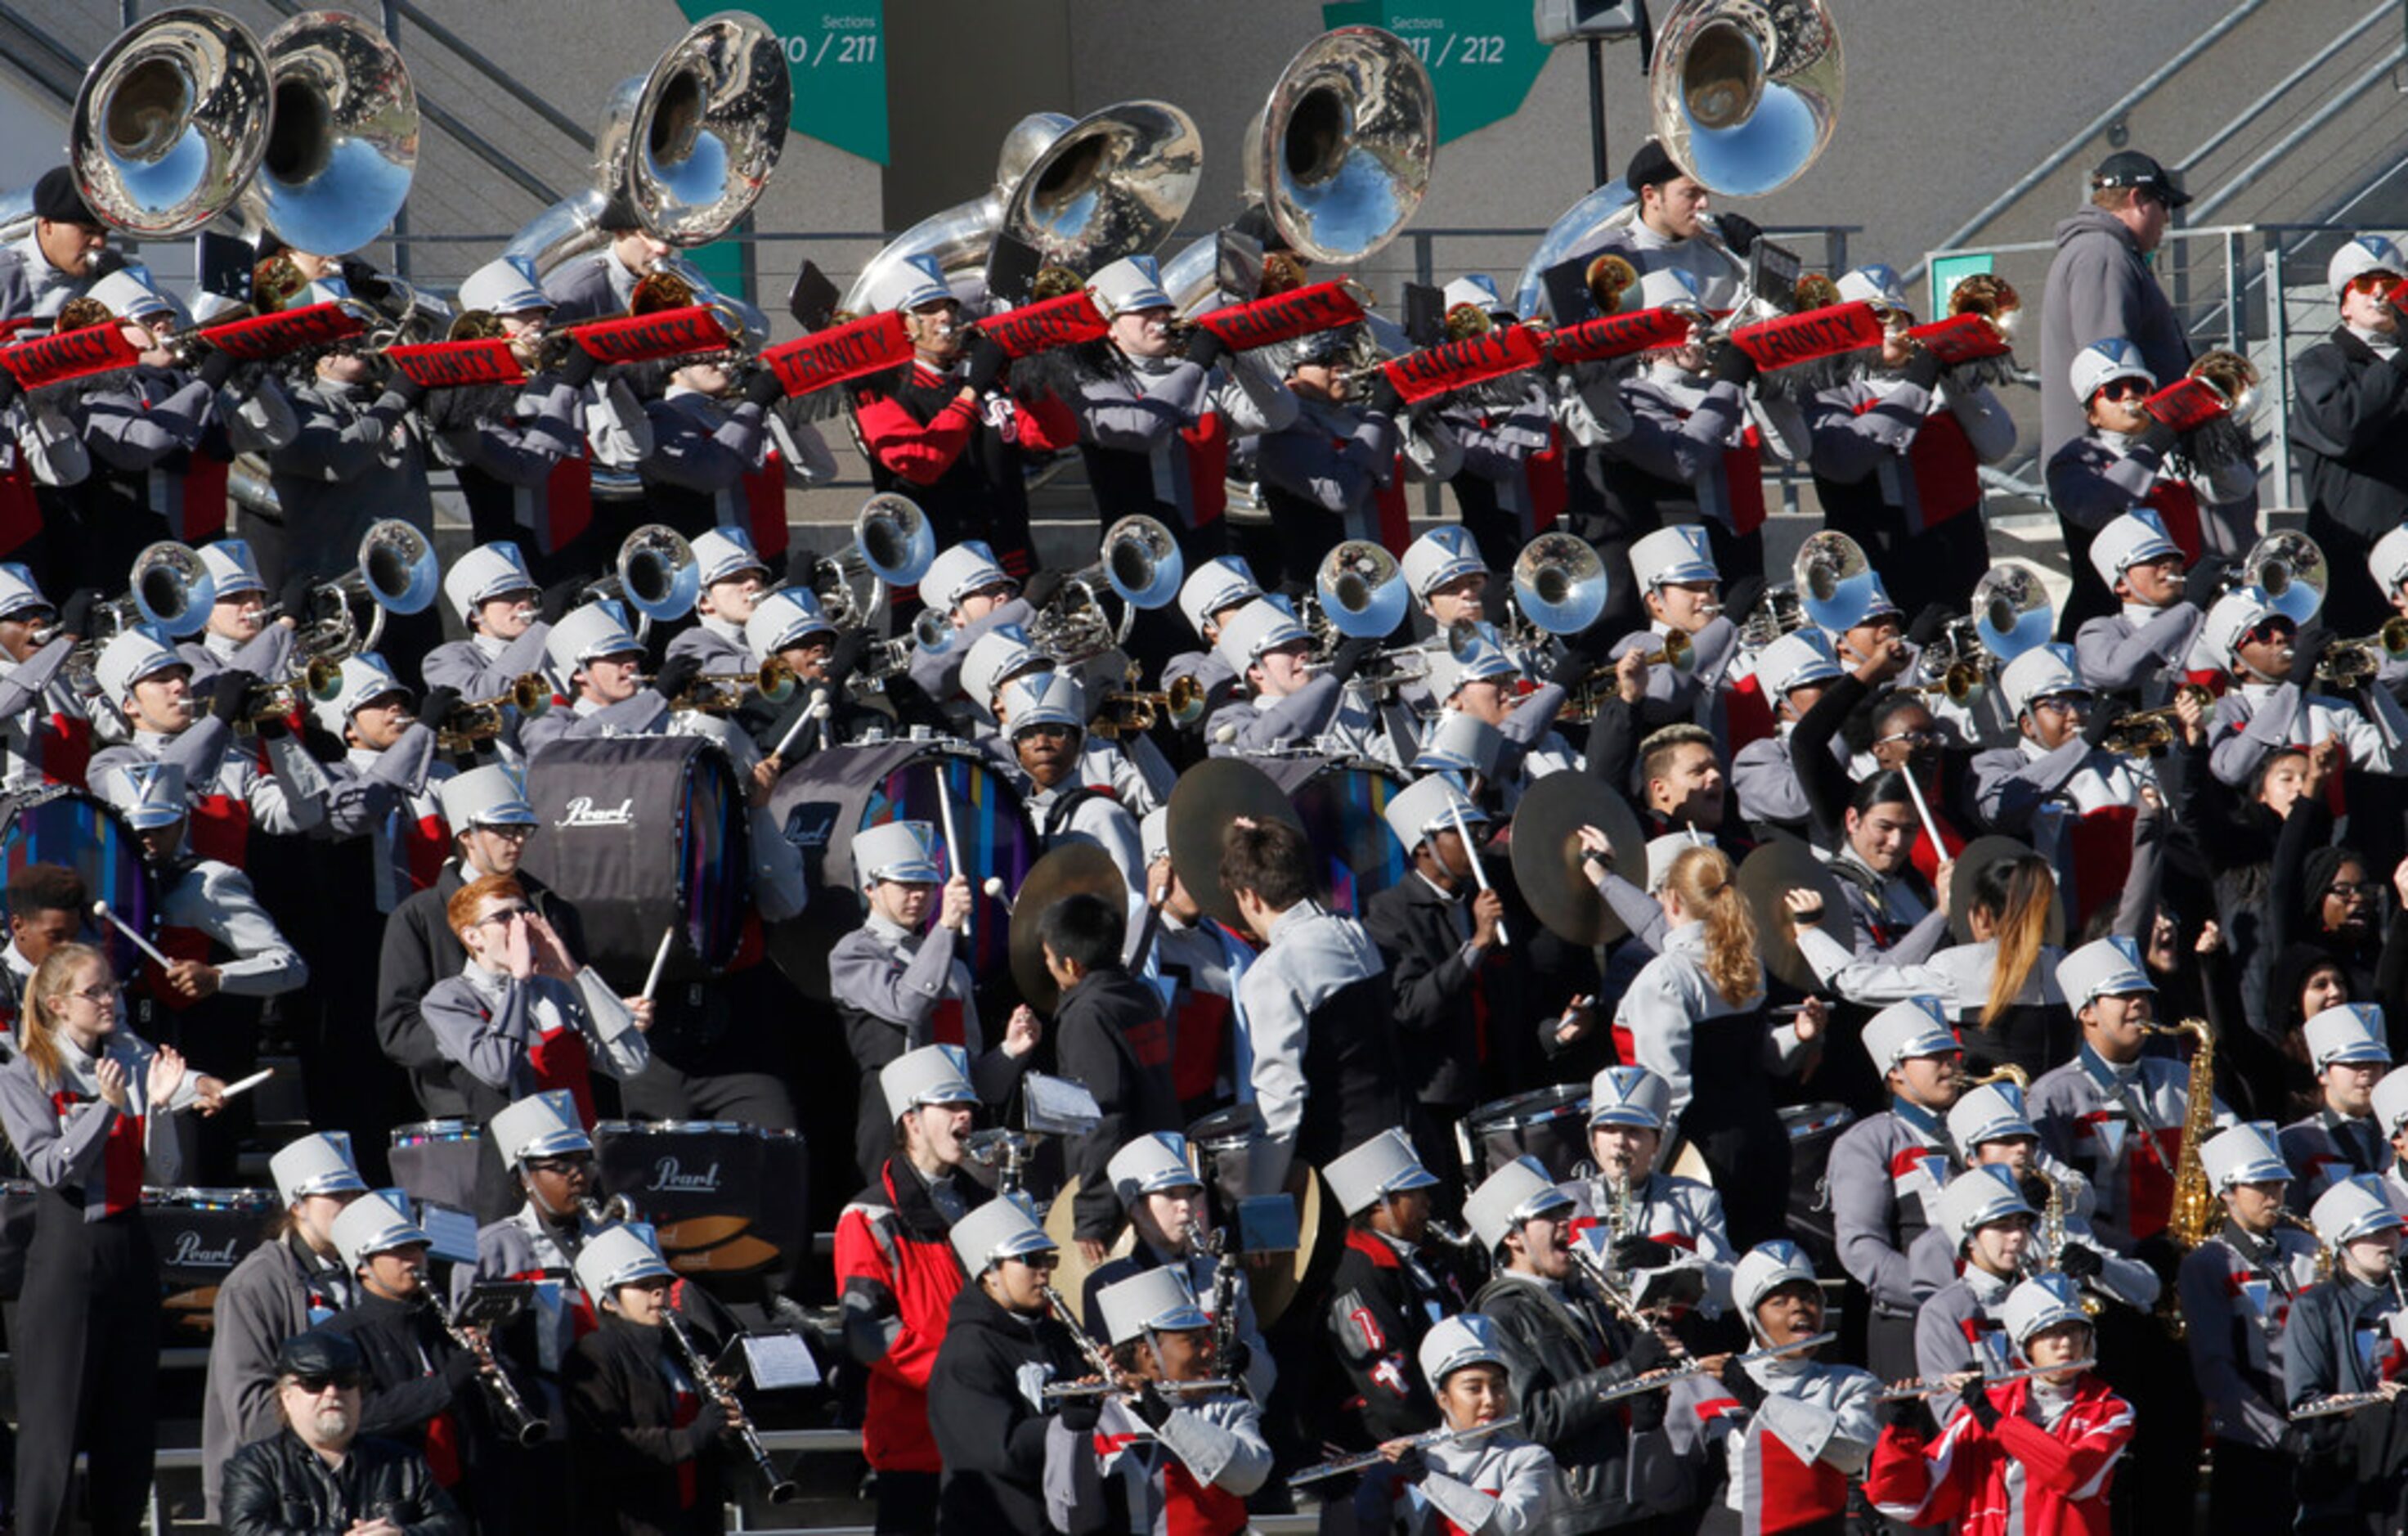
2014	1480
896	1269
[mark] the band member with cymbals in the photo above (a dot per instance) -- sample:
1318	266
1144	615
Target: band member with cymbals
45	720
1163	1198
898	1275
287	1284
2140	651
1650	1219
1108	1033
1388	1290
2351	1472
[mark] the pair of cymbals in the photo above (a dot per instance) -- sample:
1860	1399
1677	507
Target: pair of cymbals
1207	800
1548	863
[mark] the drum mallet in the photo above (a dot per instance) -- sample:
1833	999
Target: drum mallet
952	842
660	961
1922	810
818	710
993	887
1479	875
254	1080
100	909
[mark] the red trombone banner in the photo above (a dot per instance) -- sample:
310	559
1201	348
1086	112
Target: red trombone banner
1284	317
840	352
69	355
1619	336
457	365
693	328
258	336
1033	328
1459	365
1960	339
1826	332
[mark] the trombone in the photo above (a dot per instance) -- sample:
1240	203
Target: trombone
481	719
1134	713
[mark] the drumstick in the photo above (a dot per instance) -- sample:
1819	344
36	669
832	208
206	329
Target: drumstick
1922	809
952	841
1454	809
254	1080
660	961
818	710
100	909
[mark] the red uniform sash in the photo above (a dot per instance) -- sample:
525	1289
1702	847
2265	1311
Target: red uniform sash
220	829
1743	483
764	505
20	515
1208	466
560	1060
2177	508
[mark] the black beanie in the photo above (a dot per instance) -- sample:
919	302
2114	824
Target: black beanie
55	199
1652	166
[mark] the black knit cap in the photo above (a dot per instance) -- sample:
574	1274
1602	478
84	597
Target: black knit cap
1652	166
619	214
55	199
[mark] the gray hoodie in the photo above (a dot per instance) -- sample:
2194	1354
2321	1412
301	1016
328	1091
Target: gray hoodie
2099	286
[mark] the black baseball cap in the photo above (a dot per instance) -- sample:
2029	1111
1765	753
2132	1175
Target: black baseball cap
2131	169
317	1355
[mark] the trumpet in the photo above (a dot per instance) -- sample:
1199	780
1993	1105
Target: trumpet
1925	1386
481	719
318	679
2232	377
1961	682
2150	733
723	692
782	1489
1135	714
2352	664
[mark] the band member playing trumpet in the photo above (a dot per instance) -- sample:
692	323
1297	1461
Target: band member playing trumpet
1388	1291
501	607
1649	1219
89	1108
2272	702
734	579
1215	593
1674	571
2238	1289
239	635
45	720
2344	1340
1511	486
1159	1457
967	585
2077	803
2139	650
2346	400
1288	703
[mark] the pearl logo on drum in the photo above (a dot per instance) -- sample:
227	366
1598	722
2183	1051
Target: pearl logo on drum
669	1174
583	812
190	1252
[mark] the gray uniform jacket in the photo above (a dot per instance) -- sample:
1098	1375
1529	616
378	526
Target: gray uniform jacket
1217	1441
1144	409
898	976
1500	1485
1312	954
62	1149
1868	425
2237	1293
2093	1115
356	457
1683	1213
292	798
1957	1327
215	900
30	692
718	644
1878	1166
2253	719
2101	475
30	285
38	429
280	1289
486	1023
2099	286
2139	649
481	667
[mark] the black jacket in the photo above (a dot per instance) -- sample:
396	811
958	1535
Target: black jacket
2348	413
629	1461
415	1371
1380	1310
1440	999
990	1436
420	950
1109	1034
1617	1460
279	1487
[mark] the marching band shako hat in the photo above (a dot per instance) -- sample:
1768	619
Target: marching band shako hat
1465	1339
2361	254
2248	1153
2234	615
1521	1191
2103	362
59	200
484	573
1443	555
1662	851
2391	1102
362	680
593	631
1981	1195
1993	1111
1045	699
995	659
1127	285
2348	1032
19	593
1477	289
233	568
1449	672
373	1224
967	567
1763	1269
1460	743
784	619
615	1256
1875	283
999	1229
1149	1301
1151	1165
506	286
2351	1209
1681	553
1261	626
1628	1096
1364	1175
1799	659
2389	560
2039	1303
911	283
2134	539
2104	967
933	1074
1223	581
317	1164
1908	1028
128	295
1424	807
2045	671
487	795
319	1355
148	794
899	852
131	656
543	1125
725	552
2131	169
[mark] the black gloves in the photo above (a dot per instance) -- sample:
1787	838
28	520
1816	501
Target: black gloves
1204	349
1739	1385
2100	721
802	566
2156	435
1234	1364
1040	588
1911	1414
577	367
1729	363
76	617
405	389
559	598
2205	582
1385	399
1647	1353
765	389
1923	367
1976	1398
1350	658
1738	231
296	599
1643	1253
1571	667
1081	1414
1741	598
216	367
459	1370
1928	623
677	675
2315	641
709	1423
987	362
229	691
1152	1406
436	706
2079	1262
9	389
842	661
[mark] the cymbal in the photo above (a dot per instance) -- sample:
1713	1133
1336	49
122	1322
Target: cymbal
737	1255
1764	878
1978	856
1066	871
1070	1274
1277	1286
698	1232
1546	850
1207	798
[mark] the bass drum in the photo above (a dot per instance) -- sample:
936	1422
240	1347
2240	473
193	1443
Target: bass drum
1344	803
724	1198
1812	1128
1548	1123
58	823
828	797
645	833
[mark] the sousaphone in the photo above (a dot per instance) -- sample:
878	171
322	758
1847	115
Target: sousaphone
171	121
342	143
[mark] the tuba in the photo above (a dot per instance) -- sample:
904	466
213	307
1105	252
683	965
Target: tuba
397	571
342	140
655	573
892	546
1745	94
2290	568
1139	563
1559	583
2011	613
1114	183
169	124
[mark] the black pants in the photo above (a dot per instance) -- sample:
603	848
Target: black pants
907	1503
2248	1490
87	1365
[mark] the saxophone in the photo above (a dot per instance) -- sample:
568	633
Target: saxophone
2195	1212
2048	1239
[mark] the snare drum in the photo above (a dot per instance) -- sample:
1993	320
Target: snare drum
1812	1128
435	1161
1219	1142
724	1198
1550	1124
200	1235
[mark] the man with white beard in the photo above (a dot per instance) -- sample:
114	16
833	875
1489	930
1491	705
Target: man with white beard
317	1473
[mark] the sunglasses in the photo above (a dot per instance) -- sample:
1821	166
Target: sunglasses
345	1381
505	917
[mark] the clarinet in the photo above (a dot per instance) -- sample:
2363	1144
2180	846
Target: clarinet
1224	1297
1100	1360
782	1491
520	1422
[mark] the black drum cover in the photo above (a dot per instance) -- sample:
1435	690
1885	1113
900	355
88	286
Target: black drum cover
645	833
722	1198
200	1235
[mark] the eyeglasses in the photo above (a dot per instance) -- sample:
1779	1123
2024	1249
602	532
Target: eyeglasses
1912	739
2121	389
2068	704
341	1381
511	831
1045	1261
2345	889
2270	631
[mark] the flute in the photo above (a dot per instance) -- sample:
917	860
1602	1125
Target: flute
1671	1374
1056	1391
1924	1387
1422	1441
2335	1405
